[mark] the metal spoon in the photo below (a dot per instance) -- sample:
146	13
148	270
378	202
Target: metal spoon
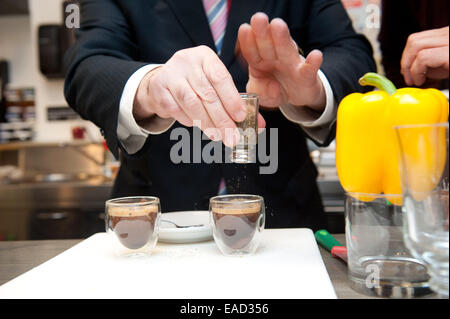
180	226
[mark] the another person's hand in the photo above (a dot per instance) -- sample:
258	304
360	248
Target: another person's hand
426	56
194	85
277	72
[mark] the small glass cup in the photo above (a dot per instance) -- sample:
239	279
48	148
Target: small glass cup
424	168
237	222
245	150
379	263
133	222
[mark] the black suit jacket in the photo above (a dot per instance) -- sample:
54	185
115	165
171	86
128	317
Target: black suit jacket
117	37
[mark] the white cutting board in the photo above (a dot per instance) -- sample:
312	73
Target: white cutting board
287	265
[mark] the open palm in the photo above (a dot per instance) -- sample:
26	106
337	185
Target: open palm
277	72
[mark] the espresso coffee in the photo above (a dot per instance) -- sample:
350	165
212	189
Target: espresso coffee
133	226
236	226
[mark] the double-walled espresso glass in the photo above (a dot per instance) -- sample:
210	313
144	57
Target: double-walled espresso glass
237	221
133	222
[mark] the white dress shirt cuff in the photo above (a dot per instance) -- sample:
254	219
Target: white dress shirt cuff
317	125
131	135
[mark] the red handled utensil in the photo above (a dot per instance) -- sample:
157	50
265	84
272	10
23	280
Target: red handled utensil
326	240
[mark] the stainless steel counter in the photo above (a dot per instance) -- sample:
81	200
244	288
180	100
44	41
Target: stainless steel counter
53	210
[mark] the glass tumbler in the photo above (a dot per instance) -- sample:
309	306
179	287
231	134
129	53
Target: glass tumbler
424	154
237	222
245	150
133	223
379	263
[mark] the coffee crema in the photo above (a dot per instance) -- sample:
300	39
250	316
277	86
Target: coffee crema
236	225
133	226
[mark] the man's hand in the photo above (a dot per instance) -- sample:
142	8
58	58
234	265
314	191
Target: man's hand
426	55
194	85
278	74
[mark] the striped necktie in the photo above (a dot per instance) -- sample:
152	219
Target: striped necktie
217	13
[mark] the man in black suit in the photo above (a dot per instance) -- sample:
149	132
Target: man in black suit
142	68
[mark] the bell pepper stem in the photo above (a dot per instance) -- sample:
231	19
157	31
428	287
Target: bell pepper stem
380	82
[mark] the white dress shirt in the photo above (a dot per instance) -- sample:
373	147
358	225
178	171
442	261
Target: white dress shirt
132	136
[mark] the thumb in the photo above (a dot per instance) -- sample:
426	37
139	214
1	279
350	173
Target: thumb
311	66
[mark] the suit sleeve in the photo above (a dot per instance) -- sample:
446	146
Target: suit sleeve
347	55
99	65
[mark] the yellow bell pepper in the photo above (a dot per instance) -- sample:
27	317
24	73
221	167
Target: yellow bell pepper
367	155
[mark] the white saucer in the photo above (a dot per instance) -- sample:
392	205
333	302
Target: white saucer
168	233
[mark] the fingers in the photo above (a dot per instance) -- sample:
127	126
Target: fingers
207	113
192	106
285	48
169	108
201	92
435	58
261	41
418	42
158	97
219	79
261	30
248	45
214	107
277	72
223	102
